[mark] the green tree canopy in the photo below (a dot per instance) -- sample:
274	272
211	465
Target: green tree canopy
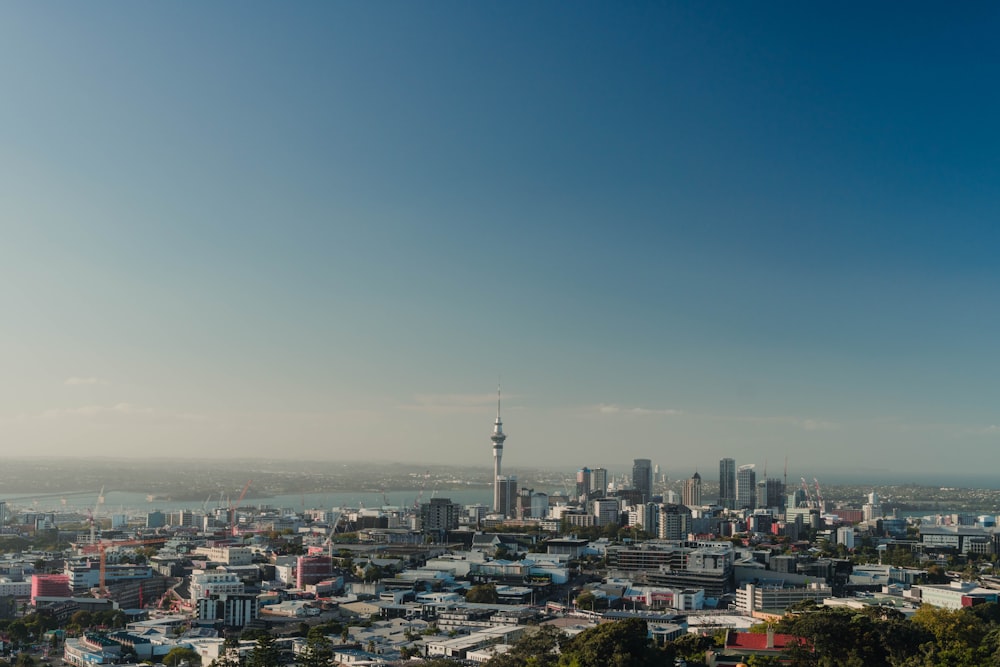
179	654
265	653
484	593
318	652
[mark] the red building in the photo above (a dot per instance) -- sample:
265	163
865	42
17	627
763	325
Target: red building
50	586
312	570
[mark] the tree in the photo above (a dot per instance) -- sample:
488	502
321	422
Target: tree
587	600
230	655
620	644
484	593
538	649
82	619
318	652
18	632
265	653
179	654
24	660
690	647
253	634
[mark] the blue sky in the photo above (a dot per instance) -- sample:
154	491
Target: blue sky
676	230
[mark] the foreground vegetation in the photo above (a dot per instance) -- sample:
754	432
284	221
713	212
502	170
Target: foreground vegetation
834	637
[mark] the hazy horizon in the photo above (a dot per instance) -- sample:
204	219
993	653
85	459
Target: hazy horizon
673	231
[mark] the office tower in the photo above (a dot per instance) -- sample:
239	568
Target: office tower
606	511
727	483
675	522
771	493
599	481
439	516
582	483
507	486
873	508
746	486
692	491
3	513
539	505
642	478
795	498
522	509
498	437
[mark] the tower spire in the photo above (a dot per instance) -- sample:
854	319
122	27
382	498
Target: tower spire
498	438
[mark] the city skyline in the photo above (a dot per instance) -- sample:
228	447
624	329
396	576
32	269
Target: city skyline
679	232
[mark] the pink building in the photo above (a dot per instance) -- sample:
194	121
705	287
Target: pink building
312	570
50	586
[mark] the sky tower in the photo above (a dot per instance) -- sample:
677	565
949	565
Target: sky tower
498	437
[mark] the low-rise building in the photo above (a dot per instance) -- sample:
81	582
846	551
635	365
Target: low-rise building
775	597
955	595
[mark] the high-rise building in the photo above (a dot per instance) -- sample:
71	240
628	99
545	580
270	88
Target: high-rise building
539	505
727	483
3	513
439	516
582	483
675	522
507	492
746	486
312	570
642	478
498	438
771	493
606	511
692	491
873	508
599	481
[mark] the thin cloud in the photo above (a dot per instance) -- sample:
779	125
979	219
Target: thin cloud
96	411
115	411
992	429
83	381
612	409
452	403
806	424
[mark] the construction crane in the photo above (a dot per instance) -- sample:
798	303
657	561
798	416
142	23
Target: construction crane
102	550
420	495
819	496
805	487
333	529
93	516
233	508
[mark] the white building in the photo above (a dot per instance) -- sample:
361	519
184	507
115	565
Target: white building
606	511
955	595
777	597
226	555
873	508
232	609
214	582
18	589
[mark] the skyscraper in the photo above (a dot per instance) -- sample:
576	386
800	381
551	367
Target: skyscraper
507	485
692	491
599	481
642	478
746	486
498	437
583	483
771	493
727	483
